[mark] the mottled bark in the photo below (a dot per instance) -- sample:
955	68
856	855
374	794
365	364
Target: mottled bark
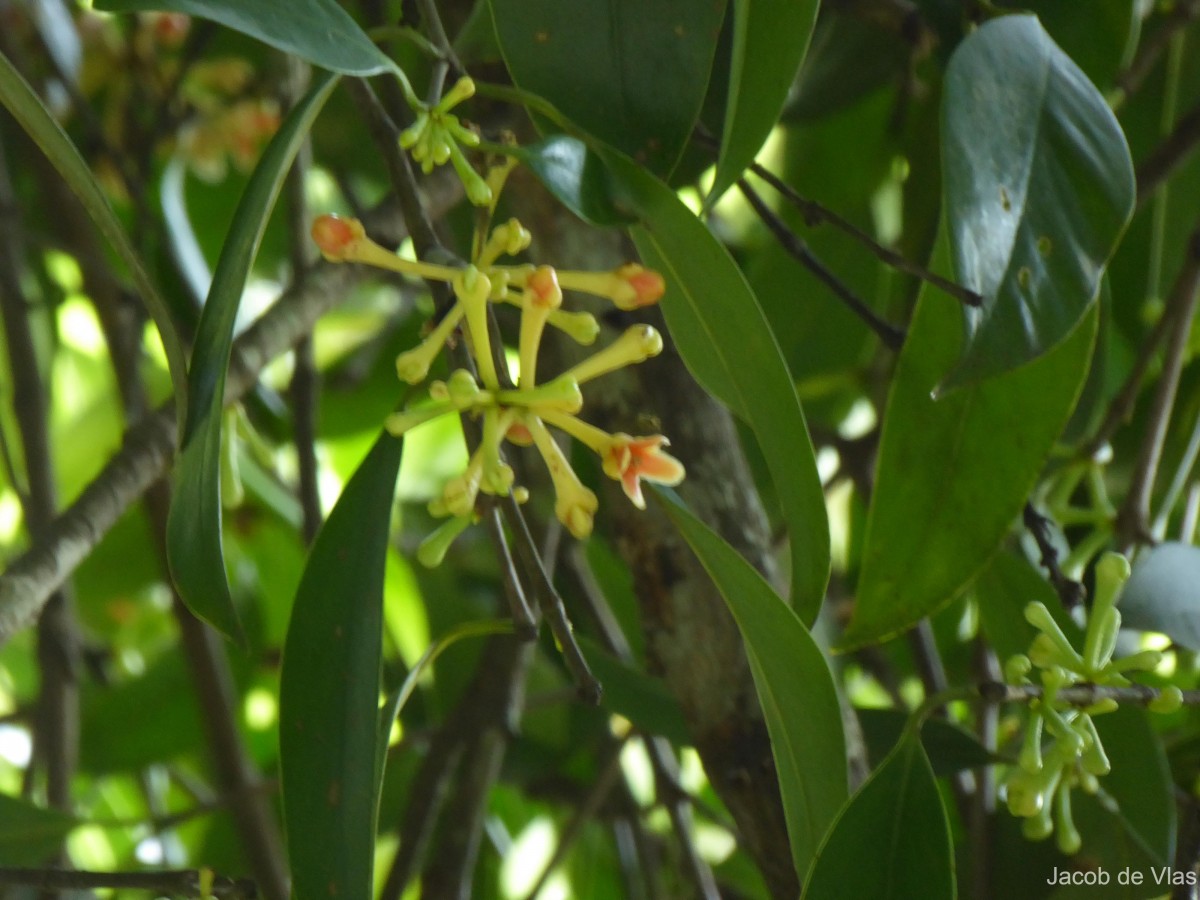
691	639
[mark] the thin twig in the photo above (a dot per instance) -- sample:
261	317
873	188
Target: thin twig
593	801
892	337
1134	515
174	883
1130	79
1081	695
1122	404
1070	591
816	213
551	603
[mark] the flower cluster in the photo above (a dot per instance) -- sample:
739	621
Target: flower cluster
1039	787
437	136
522	414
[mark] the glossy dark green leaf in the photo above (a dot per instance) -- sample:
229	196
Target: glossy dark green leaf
1038	188
20	100
194	548
723	336
770	38
576	176
891	841
319	31
794	686
29	834
329	689
954	473
1163	593
631	73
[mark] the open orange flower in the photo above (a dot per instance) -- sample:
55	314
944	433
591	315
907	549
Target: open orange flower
629	460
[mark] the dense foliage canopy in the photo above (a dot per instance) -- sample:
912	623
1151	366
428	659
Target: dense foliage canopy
518	448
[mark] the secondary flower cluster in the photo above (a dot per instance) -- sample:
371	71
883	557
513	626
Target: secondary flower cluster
1039	788
524	414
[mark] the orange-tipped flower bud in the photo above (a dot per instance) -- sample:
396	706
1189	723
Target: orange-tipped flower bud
647	286
543	288
335	235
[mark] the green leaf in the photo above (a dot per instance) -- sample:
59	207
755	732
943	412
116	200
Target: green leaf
630	73
20	100
642	699
949	748
770	38
954	473
29	834
319	31
1003	590
892	839
723	336
794	685
329	688
576	176
194	548
1039	187
1163	593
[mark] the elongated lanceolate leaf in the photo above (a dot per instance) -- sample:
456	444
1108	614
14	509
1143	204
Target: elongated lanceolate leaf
629	72
770	38
329	689
1038	188
892	840
723	337
574	174
954	473
319	31
1163	594
194	547
794	686
20	100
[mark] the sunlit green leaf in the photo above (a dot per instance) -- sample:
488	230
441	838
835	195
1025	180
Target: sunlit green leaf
892	840
194	526
725	341
794	685
329	688
319	31
1038	188
955	472
630	73
27	109
770	38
